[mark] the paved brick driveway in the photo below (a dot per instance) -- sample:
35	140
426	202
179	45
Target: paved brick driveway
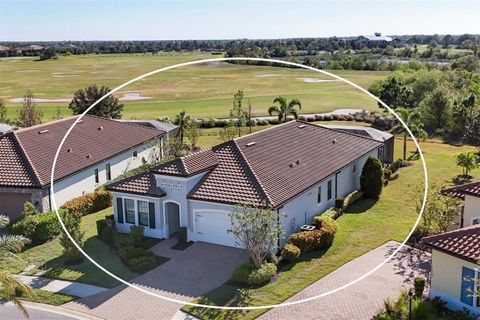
190	273
362	300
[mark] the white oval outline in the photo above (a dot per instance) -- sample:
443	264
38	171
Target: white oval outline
284	304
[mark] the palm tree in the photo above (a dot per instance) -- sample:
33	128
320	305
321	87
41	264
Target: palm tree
9	285
468	162
284	109
181	121
413	120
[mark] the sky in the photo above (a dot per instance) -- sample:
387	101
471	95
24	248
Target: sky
170	20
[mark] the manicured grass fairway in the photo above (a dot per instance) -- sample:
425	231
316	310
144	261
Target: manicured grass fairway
366	226
51	253
202	90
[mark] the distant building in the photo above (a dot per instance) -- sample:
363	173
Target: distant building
469	213
30	50
375	40
170	130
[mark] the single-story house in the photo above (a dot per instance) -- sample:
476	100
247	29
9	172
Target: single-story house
298	169
455	267
375	40
469	213
96	151
386	138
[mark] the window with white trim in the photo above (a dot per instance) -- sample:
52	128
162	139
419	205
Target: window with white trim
319	195
143	213
130	211
329	190
354	168
475	220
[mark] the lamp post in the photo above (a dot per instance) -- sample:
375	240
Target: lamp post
410	295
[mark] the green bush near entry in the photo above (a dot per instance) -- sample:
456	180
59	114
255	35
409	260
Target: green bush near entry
248	274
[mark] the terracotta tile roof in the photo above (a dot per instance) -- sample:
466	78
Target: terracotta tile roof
143	183
231	181
189	165
14	169
91	141
472	189
271	166
463	243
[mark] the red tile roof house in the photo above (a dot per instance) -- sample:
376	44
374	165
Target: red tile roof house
296	168
455	256
470	193
96	151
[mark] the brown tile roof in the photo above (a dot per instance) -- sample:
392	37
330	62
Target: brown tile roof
143	183
189	165
14	169
472	189
271	166
463	243
91	141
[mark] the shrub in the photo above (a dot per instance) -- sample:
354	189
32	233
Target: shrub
328	228
339	203
332	212
273	121
352	198
108	235
142	263
39	227
318	117
136	234
394	176
419	286
306	241
89	203
290	252
129	252
371	179
387	173
101	225
248	274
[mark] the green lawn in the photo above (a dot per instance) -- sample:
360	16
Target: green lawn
48	297
201	90
366	226
49	258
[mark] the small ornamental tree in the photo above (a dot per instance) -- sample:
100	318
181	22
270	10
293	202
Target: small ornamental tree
257	230
72	224
371	180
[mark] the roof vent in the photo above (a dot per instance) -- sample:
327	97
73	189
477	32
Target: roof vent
43	131
297	162
89	156
301	126
334	141
250	144
79	121
100	128
69	150
291	165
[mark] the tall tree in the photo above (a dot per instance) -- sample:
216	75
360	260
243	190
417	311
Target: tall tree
467	161
72	224
413	120
237	111
371	179
29	114
257	230
110	107
437	107
10	286
193	132
395	94
181	120
285	109
463	112
472	133
3	111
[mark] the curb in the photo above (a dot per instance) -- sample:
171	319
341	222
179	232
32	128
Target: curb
60	310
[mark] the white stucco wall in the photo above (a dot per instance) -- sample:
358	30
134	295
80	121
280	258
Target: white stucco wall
84	181
471	211
446	281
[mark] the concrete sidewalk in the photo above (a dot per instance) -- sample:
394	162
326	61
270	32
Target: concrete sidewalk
40	311
76	289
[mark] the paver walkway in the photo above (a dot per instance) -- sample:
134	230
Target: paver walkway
364	299
76	289
188	274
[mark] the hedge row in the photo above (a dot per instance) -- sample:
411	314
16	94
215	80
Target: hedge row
89	203
319	238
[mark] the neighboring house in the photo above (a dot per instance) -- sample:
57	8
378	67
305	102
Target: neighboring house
387	153
470	211
455	256
96	151
29	50
375	40
170	130
296	168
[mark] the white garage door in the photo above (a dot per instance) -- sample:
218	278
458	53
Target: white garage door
214	227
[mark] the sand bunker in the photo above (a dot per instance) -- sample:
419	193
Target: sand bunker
268	75
315	80
131	96
29	70
40	100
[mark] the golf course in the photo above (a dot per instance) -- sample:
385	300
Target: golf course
203	90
